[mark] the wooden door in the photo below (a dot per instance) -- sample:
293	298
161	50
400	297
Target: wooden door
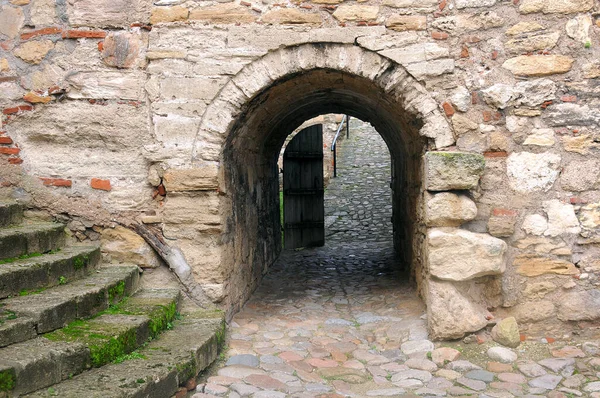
303	206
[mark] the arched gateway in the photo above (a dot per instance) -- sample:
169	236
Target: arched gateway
270	97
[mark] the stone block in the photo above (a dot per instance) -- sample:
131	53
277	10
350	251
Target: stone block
437	67
538	65
181	88
228	13
532	172
200	208
445	171
291	16
580	306
502	223
11	21
561	218
533	265
451	313
413	5
168	14
506	332
108	13
122	49
176	131
535	224
463	124
531	43
356	13
460	255
524	27
34	52
401	23
540	137
498	95
474	3
43	12
555	6
534	311
107	85
125	246
447	209
197	179
589	216
571	115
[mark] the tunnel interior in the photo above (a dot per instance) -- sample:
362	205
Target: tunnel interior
255	140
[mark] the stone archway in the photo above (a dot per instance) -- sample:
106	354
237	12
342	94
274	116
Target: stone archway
270	97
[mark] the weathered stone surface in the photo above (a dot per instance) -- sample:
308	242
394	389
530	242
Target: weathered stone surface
121	49
534	92
447	209
538	65
555	6
578	28
532	265
228	13
461	99
417	53
502	355
291	16
531	43
11	21
107	85
168	14
498	95
42	12
589	216
540	137
534	311
446	171
580	175
474	3
531	172
115	13
356	13
535	224
570	115
581	144
437	67
460	255
414	5
441	356
122	245
401	23
34	51
502	224
561	218
506	332
580	306
524	27
463	124
197	179
591	70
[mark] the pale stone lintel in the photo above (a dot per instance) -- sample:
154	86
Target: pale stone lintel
196	179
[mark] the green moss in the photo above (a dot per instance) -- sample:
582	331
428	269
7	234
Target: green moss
26	292
220	334
116	291
21	257
7	379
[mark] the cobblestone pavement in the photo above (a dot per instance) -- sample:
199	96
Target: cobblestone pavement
339	321
358	203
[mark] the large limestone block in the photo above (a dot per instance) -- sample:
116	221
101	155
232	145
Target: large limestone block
543	41
291	16
460	255
107	85
199	208
445	171
533	265
401	23
580	306
197	179
228	13
571	115
580	175
168	14
498	95
555	6
125	246
561	218
356	13
108	13
450	313
446	209
532	172
538	65
589	216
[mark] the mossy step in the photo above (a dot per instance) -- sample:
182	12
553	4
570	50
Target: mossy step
25	275
24	317
32	237
10	213
159	368
87	343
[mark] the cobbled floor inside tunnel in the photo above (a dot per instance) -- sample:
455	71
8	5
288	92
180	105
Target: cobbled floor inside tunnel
341	321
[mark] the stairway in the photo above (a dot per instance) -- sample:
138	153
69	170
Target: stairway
71	326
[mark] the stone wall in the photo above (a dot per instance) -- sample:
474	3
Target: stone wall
173	111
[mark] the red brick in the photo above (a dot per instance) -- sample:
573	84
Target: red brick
56	182
9	151
487	116
161	190
499	154
568	98
522	337
98	183
504	212
495	54
574	200
40	32
79	34
6	140
4	79
464	53
448	109
442	5
474	98
472	39
17	109
439	35
15	160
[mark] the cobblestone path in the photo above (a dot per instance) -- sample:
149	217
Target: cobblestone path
338	321
358	203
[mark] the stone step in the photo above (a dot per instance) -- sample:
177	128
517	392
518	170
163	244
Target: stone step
110	336
24	317
31	238
161	367
11	213
23	276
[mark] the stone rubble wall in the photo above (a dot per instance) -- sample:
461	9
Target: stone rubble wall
114	111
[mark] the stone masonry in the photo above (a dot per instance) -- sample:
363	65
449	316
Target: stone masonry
173	113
